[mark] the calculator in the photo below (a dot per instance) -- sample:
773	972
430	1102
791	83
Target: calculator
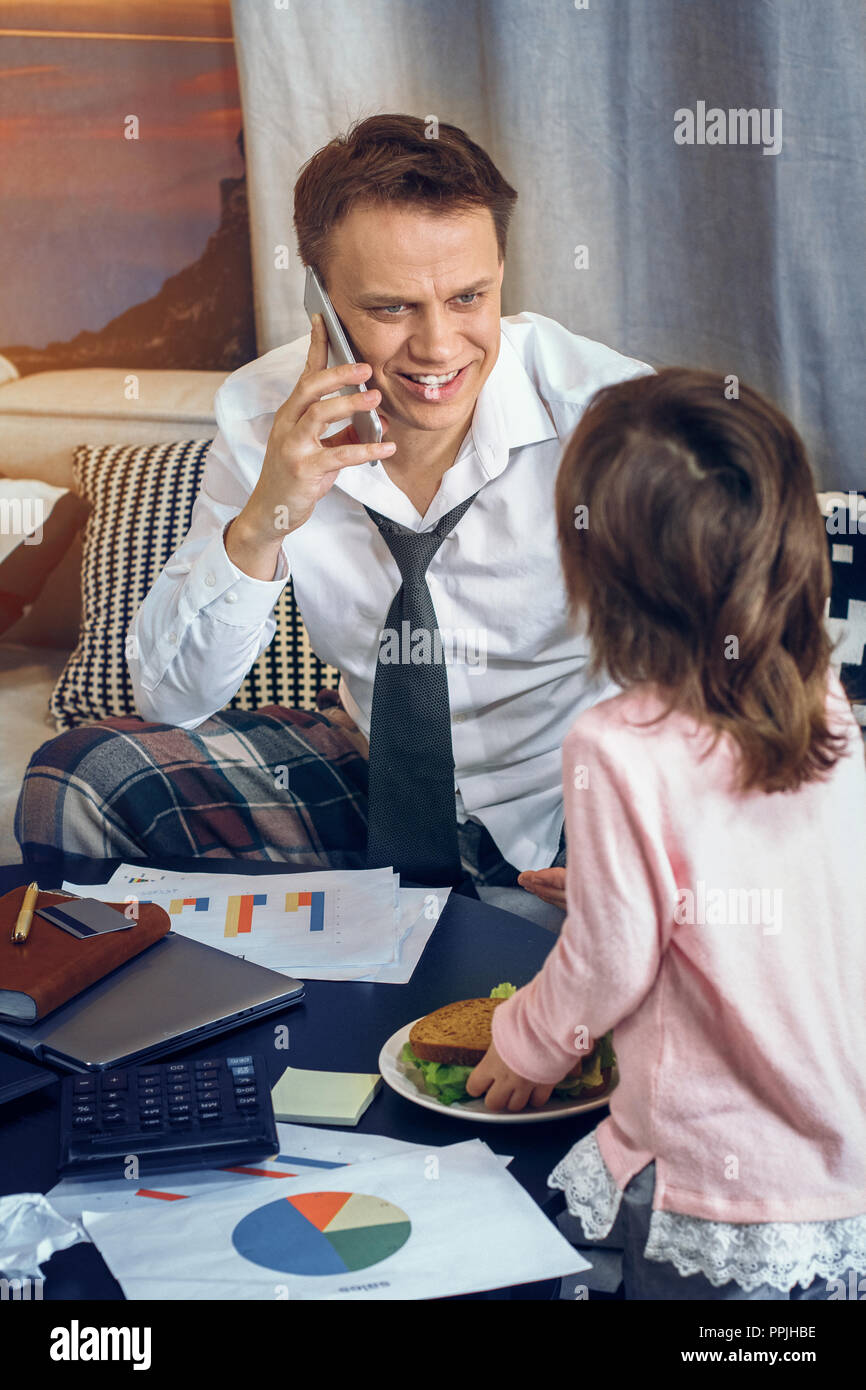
194	1114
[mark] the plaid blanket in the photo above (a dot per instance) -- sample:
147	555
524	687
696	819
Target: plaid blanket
274	783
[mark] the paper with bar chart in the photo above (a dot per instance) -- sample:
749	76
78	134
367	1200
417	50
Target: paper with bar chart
286	922
416	912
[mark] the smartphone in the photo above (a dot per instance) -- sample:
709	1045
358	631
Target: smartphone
367	424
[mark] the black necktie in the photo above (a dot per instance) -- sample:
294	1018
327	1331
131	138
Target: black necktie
412	820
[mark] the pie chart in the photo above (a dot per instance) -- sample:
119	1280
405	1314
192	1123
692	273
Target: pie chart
319	1233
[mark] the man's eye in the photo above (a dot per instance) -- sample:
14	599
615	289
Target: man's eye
391	309
468	298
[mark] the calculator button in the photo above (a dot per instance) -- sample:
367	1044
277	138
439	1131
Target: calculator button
148	1093
204	1088
238	1062
206	1106
175	1068
155	1072
243	1074
209	1116
247	1102
178	1108
114	1117
149	1107
152	1122
82	1121
114	1081
179	1121
84	1107
81	1084
247	1090
207	1074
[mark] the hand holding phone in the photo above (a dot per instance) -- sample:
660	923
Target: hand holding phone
366	423
300	466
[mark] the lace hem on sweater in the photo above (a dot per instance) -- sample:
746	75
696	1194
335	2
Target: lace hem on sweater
778	1253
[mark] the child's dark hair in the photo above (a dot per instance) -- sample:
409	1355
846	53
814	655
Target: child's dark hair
692	542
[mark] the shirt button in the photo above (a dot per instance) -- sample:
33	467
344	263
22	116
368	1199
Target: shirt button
460	718
210	579
172	637
231	597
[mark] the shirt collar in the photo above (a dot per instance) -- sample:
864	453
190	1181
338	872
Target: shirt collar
509	414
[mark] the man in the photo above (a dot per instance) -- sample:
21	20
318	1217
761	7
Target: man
430	578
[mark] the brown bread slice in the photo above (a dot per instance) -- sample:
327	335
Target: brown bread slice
458	1034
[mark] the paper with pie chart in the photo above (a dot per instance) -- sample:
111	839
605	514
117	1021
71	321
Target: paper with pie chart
414	1225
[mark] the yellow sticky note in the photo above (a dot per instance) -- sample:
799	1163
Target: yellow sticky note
324	1097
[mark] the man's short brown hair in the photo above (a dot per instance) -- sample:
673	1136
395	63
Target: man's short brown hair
389	159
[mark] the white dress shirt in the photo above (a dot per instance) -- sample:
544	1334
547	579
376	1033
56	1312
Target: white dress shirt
516	677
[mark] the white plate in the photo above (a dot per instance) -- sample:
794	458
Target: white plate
400	1078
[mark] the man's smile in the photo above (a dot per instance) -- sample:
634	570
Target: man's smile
432	387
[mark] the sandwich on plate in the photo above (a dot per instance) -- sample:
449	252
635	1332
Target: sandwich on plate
445	1046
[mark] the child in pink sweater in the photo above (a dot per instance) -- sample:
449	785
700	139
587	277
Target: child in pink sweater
716	879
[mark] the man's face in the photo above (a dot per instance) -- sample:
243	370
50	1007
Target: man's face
419	295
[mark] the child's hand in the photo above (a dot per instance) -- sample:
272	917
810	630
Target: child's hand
505	1090
547	884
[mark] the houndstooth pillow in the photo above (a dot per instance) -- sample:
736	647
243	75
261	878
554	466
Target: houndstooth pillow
845	521
142	500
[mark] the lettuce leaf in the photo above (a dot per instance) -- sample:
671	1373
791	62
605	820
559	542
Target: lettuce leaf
442	1080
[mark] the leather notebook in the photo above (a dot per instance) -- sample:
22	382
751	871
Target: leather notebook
51	966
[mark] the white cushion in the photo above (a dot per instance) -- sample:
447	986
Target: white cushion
44	416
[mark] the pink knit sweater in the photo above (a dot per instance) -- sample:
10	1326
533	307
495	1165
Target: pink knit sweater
724	938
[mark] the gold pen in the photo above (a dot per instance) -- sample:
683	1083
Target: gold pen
25	916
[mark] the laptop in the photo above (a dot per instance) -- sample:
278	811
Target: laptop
175	993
